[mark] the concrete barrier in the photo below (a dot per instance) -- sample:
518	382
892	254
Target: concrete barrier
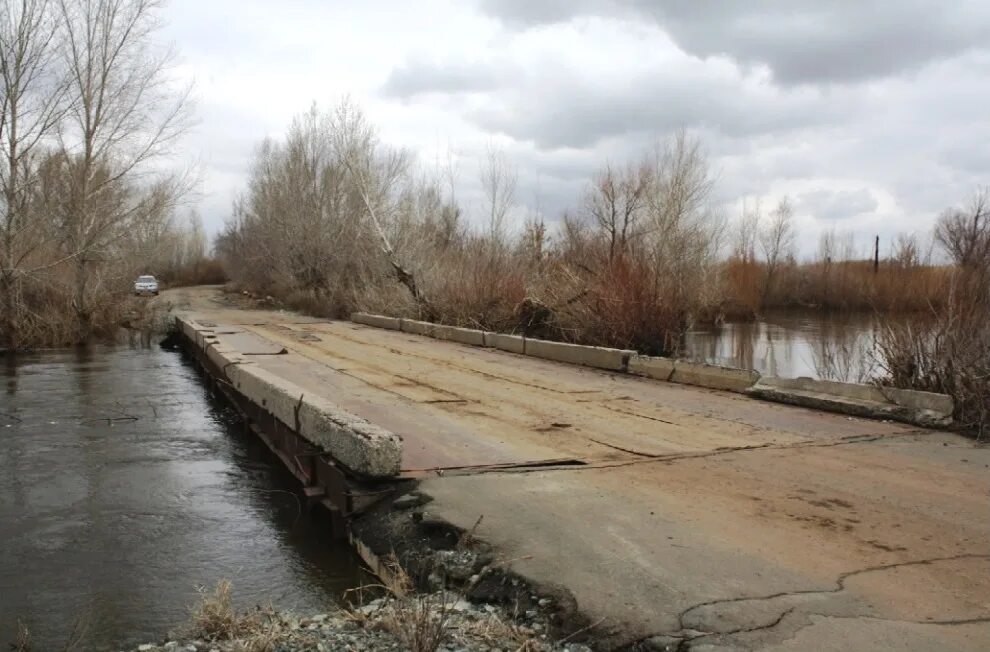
354	442
651	367
417	327
186	328
907	398
910	406
845	390
713	376
588	356
378	321
460	335
502	342
693	373
915	400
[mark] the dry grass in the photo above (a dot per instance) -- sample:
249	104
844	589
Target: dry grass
838	285
22	640
421	622
949	353
75	640
214	618
494	630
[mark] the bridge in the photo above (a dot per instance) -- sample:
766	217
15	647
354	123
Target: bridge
673	514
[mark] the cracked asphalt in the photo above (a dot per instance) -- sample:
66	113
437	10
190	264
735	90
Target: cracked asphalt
687	516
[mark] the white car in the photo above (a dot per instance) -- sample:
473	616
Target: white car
146	285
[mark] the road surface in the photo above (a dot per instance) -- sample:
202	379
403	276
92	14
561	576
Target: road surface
667	510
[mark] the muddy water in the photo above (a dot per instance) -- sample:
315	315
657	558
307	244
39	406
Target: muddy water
792	343
124	486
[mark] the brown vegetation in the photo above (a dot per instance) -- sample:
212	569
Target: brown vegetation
22	640
837	285
421	622
85	117
762	272
215	619
949	351
336	221
400	620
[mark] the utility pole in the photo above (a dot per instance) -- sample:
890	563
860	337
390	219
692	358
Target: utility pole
876	256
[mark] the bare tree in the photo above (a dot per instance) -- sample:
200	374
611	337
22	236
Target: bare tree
616	200
747	233
31	94
965	234
682	232
907	252
681	186
378	173
124	114
777	241
498	182
826	263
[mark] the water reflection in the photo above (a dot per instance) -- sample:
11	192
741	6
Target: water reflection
792	343
123	487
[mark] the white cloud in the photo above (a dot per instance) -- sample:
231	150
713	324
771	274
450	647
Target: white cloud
871	118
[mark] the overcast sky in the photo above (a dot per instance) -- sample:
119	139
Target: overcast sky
871	115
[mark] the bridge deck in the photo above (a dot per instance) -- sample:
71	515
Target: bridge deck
657	498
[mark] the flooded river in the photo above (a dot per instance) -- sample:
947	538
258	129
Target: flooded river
791	344
124	486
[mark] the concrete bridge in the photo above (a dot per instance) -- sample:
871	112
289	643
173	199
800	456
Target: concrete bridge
674	515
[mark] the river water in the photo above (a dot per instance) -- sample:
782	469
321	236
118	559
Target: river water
792	343
124	486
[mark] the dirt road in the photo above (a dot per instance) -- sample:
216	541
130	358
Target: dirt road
667	510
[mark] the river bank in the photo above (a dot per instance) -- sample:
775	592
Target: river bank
420	623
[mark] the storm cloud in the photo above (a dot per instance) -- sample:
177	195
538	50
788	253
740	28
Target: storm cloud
799	41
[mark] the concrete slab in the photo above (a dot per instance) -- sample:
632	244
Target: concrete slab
509	343
417	327
588	356
651	367
378	321
713	376
459	335
365	448
921	408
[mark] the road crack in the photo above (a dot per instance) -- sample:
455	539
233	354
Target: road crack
840	585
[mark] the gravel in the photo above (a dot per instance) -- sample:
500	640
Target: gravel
383	625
